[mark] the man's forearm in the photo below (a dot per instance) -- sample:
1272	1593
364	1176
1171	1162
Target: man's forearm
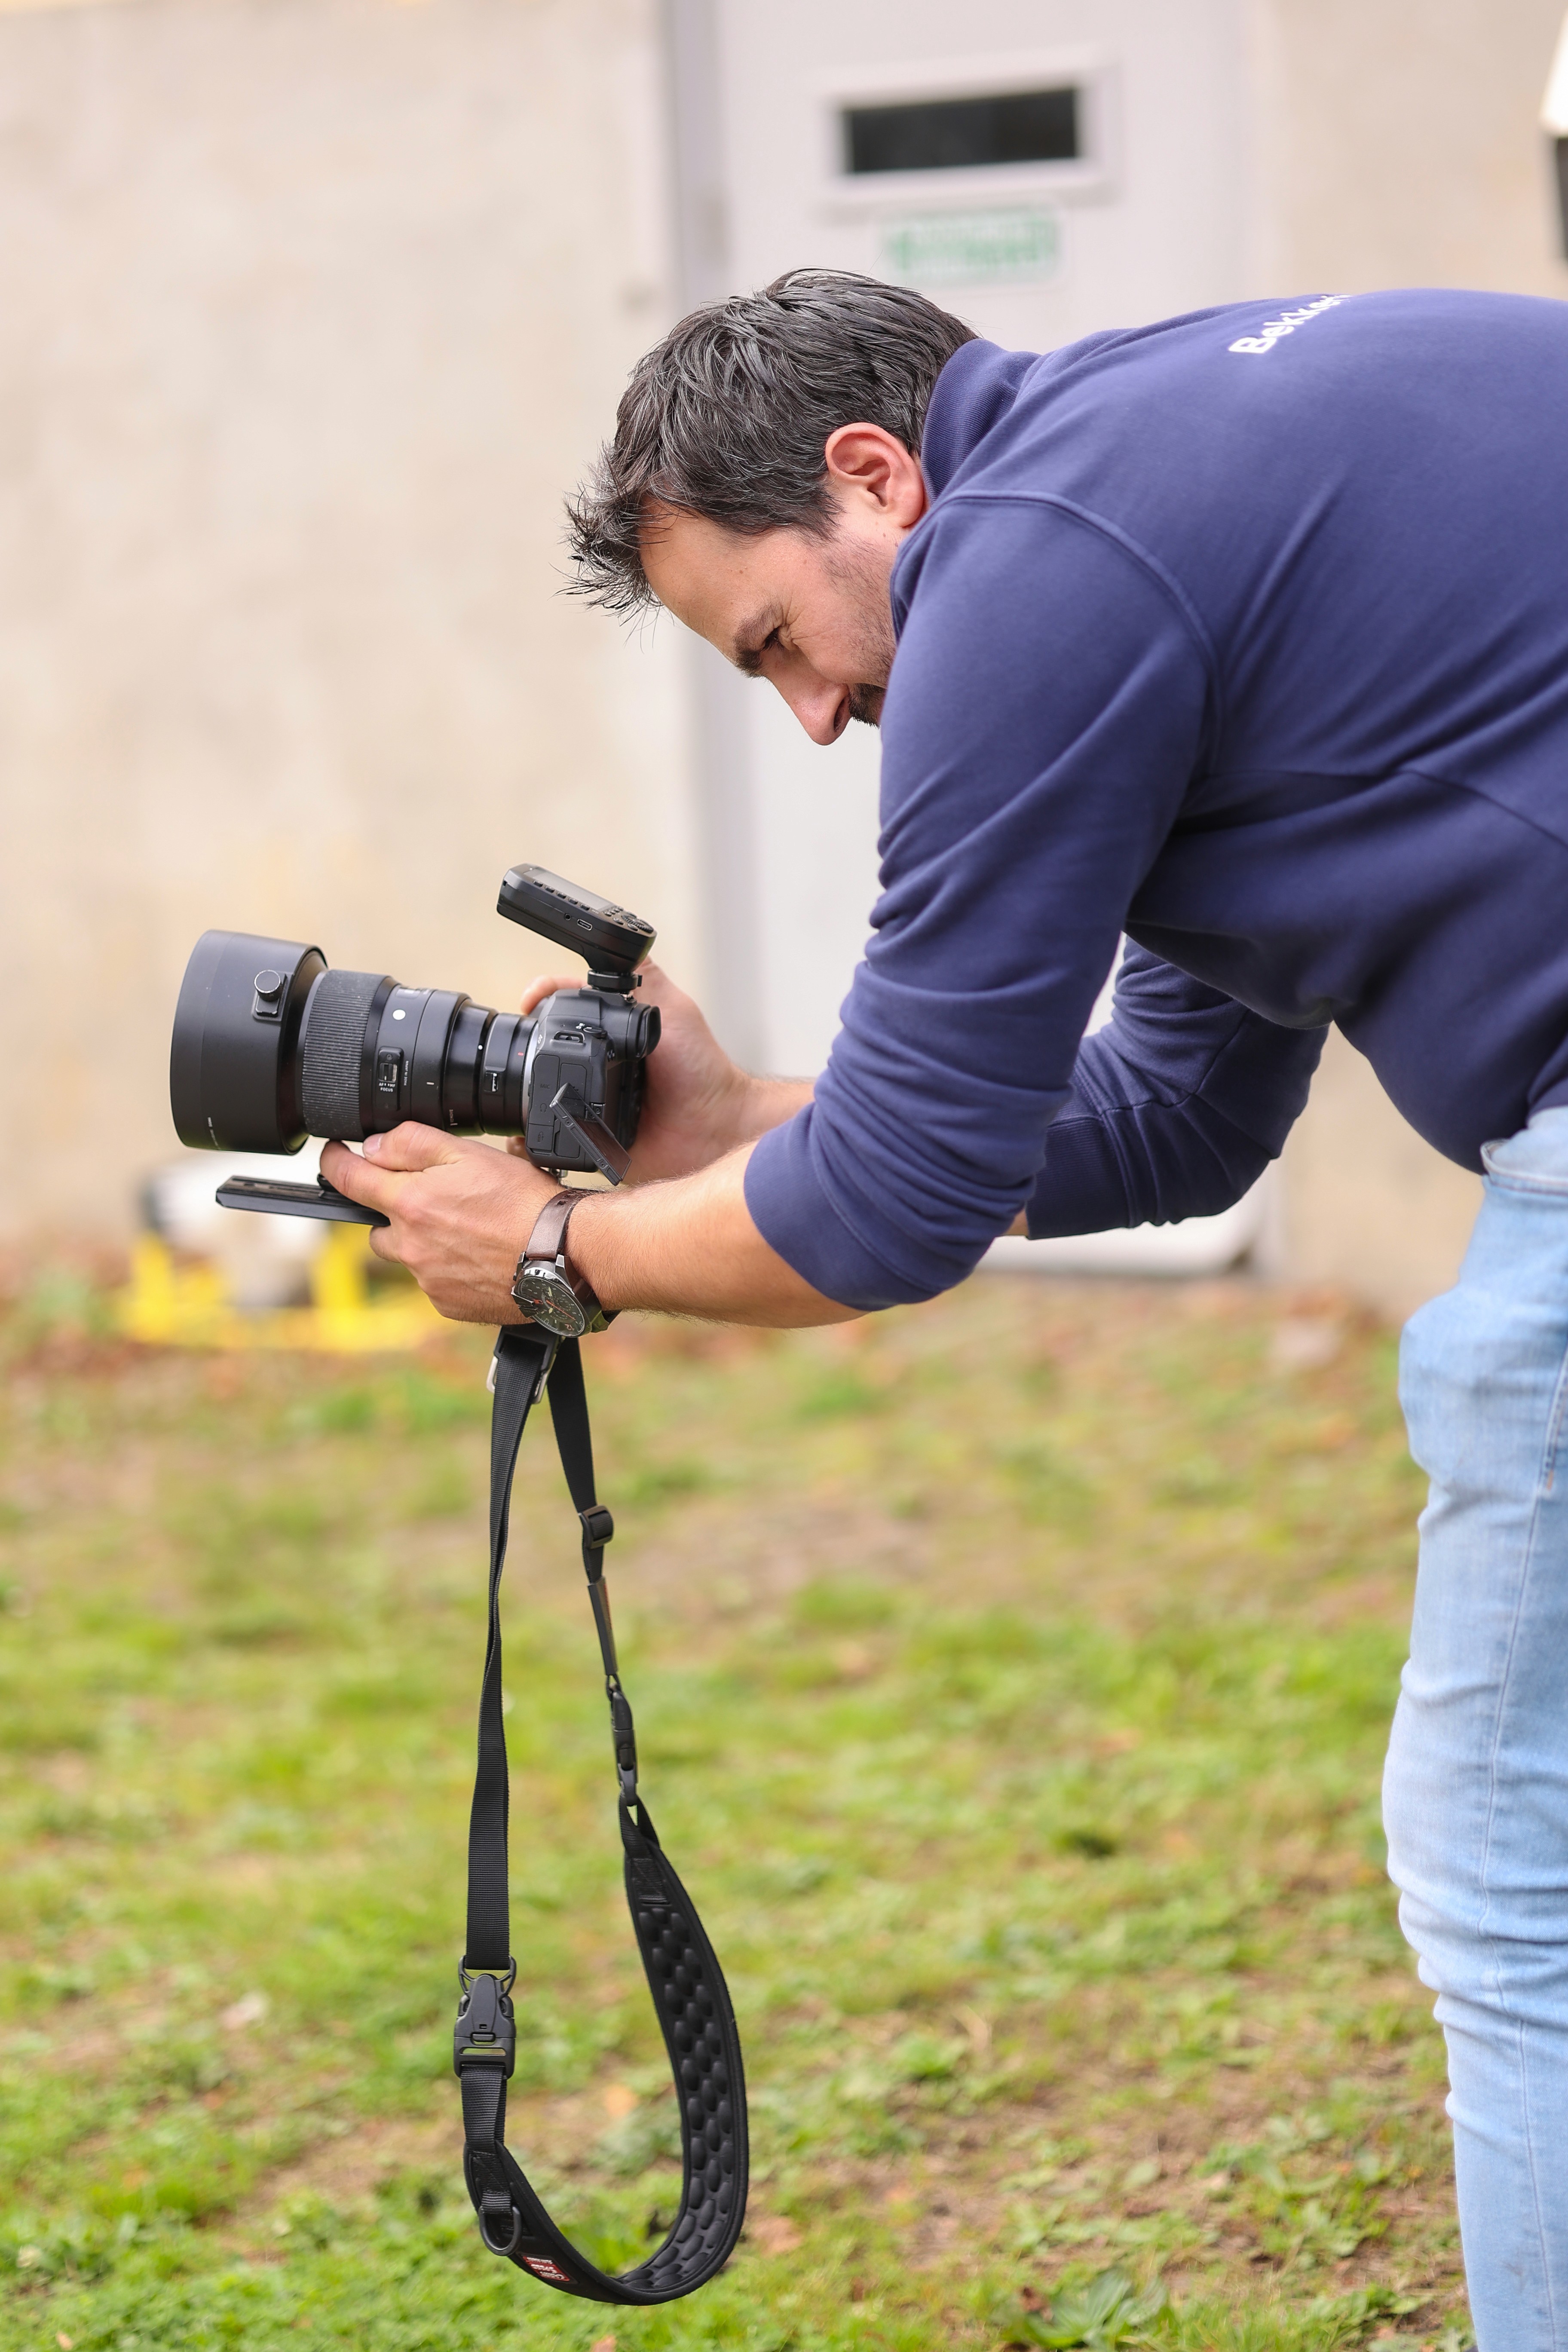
461	1212
690	1247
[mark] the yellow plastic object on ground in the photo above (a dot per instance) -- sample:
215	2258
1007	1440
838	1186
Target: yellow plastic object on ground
170	1305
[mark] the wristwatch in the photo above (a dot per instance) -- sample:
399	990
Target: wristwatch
544	1285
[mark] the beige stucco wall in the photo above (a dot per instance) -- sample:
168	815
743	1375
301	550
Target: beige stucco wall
1392	144
1365	1204
311	308
1397	142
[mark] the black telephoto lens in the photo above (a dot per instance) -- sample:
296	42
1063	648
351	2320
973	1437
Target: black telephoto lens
269	1046
373	1053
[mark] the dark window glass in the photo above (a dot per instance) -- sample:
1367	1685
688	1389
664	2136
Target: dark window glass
955	135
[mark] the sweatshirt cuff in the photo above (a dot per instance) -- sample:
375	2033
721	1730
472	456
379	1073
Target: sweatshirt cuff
811	1222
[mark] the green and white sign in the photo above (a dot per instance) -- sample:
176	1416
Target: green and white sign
1020	245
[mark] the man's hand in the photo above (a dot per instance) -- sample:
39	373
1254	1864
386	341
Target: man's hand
461	1211
698	1104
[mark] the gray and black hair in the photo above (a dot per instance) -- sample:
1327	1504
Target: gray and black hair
728	418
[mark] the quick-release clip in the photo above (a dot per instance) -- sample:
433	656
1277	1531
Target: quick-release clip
486	2032
623	1733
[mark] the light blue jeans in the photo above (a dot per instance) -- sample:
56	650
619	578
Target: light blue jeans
1476	1797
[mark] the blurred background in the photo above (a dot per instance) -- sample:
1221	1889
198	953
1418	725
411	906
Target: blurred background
1012	1672
314	308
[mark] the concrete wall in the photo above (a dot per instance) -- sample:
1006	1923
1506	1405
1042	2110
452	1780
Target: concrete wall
312	310
1365	1204
1400	144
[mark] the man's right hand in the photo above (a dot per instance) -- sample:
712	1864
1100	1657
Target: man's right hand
698	1104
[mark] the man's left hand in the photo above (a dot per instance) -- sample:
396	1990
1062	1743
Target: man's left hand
461	1211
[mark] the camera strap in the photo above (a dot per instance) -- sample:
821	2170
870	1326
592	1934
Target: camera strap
689	1997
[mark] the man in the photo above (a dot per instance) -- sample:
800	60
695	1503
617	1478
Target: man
1245	635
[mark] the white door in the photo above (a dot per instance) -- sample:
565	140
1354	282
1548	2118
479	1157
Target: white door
1043	170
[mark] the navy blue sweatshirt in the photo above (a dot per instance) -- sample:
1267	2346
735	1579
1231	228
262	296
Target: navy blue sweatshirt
1246	634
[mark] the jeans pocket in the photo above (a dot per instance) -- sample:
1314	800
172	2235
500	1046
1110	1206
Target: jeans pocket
1530	1161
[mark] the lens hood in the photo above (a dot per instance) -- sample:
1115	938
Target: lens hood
234	1062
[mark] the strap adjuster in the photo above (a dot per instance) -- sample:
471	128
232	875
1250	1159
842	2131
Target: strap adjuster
598	1527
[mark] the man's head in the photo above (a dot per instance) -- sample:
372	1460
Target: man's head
765	467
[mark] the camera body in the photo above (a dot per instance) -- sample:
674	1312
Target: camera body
596	1047
270	1046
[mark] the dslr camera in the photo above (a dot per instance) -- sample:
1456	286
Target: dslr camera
271	1047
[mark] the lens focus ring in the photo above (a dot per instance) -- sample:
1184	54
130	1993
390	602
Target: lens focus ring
334	1043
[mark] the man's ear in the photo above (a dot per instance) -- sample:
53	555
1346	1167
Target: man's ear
866	462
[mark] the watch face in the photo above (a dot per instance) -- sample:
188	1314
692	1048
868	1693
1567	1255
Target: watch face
542	1291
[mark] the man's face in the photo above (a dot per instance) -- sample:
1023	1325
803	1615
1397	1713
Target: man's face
809	613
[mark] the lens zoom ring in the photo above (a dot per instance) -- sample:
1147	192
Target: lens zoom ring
334	1043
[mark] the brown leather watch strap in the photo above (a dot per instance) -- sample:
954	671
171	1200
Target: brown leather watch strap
548	1239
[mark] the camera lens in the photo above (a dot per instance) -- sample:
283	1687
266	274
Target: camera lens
332	1050
233	1076
426	1053
269	1046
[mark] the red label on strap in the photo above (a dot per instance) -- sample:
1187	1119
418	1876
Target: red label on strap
542	2267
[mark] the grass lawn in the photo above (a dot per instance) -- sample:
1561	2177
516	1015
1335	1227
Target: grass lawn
1011	1677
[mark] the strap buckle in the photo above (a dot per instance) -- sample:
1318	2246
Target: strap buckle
623	1733
598	1527
486	2032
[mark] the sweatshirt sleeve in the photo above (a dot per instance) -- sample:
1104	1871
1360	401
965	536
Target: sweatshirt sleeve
1177	1106
1049	702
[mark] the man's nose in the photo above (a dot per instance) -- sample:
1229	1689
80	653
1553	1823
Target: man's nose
822	710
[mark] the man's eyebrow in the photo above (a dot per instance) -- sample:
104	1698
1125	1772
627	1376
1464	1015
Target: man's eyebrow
750	641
